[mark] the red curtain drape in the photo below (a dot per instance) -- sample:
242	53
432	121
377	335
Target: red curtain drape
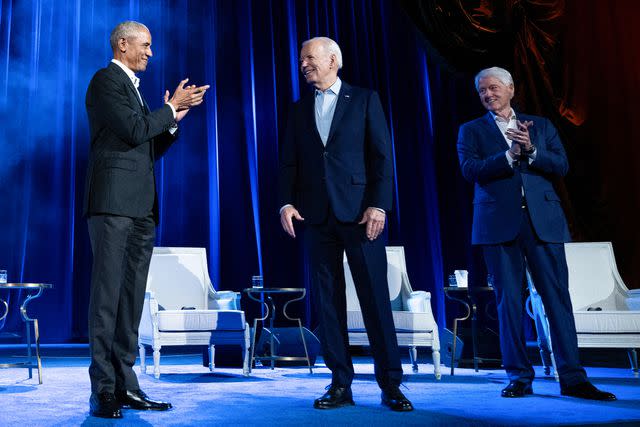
600	89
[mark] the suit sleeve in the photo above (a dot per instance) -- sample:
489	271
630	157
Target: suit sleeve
163	142
288	163
474	167
112	104
379	157
550	156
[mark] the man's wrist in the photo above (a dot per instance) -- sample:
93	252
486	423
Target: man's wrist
530	151
284	207
173	109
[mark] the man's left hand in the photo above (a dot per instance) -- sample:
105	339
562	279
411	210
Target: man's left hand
521	135
374	218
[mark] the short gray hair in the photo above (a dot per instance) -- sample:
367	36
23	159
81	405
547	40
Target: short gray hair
125	30
330	46
499	73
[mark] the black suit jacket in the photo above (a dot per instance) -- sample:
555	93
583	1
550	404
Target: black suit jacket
352	172
125	140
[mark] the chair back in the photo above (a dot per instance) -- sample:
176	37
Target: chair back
396	268
179	277
593	275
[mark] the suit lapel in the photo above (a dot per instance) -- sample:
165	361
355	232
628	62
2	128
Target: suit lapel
343	102
132	89
142	107
309	108
492	128
145	106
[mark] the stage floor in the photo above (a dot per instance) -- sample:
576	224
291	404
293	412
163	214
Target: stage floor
284	397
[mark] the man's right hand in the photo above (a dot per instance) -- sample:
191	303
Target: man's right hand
179	114
184	98
286	216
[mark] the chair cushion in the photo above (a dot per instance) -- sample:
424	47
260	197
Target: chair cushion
200	320
607	321
404	321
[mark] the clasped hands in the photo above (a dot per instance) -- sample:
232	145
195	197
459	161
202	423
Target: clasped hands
185	97
521	142
374	218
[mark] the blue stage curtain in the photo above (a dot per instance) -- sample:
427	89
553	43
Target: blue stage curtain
217	184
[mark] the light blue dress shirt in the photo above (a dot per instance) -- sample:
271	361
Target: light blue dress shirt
325	106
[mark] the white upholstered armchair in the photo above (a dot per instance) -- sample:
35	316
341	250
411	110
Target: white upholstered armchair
411	310
181	307
607	313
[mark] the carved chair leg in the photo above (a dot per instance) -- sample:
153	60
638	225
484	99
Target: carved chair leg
143	355
212	355
633	358
245	354
156	362
436	364
413	356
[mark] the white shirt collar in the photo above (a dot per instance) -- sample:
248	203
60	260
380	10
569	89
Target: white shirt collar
335	88
497	118
135	80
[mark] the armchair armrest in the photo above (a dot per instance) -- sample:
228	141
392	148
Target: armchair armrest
224	300
632	300
419	302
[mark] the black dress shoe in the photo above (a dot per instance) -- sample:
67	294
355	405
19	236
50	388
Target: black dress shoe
104	405
586	390
395	400
137	399
335	397
517	389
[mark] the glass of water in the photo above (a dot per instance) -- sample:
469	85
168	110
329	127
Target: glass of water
3	276
256	281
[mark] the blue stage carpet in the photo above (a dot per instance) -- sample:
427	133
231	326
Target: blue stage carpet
284	397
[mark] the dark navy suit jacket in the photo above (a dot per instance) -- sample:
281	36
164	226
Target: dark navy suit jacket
352	172
498	186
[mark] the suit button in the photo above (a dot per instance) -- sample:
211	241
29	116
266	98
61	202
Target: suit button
325	154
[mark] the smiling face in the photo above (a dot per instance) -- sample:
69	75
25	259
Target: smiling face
495	95
135	51
318	66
